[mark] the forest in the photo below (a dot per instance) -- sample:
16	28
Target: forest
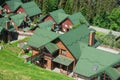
102	13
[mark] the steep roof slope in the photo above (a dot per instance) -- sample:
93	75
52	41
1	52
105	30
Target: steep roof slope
42	37
113	73
31	8
46	25
78	18
13	4
0	8
18	18
58	15
94	61
71	39
3	23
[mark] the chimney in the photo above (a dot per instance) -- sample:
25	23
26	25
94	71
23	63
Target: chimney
7	24
91	38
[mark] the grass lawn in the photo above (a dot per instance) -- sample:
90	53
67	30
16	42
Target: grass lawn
13	67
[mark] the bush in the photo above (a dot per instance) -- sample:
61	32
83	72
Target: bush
108	39
117	44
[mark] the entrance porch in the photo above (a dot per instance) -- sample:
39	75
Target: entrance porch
64	64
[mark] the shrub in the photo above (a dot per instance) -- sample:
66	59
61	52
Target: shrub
108	39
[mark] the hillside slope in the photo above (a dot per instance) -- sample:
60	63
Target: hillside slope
13	68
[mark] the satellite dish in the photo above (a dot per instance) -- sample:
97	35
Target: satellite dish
95	68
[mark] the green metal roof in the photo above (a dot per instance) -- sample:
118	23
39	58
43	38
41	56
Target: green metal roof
41	37
27	29
71	39
63	60
11	29
59	15
14	4
78	18
18	18
3	23
46	25
51	47
94	61
31	8
42	17
25	46
113	73
1	29
0	8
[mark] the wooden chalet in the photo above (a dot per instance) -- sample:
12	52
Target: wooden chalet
62	54
11	6
74	51
19	21
95	64
57	17
6	30
30	8
64	22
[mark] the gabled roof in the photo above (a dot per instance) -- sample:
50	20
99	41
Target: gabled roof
18	18
78	18
41	37
58	15
46	25
71	39
3	23
113	73
14	4
31	8
51	47
94	61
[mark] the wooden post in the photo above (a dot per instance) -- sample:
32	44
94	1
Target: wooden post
73	64
67	70
60	68
104	76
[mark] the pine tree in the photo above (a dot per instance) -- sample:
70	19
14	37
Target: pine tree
69	6
45	7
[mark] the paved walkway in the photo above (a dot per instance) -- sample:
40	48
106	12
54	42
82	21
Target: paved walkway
108	50
19	38
106	31
25	33
70	75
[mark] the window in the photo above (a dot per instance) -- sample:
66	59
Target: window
63	52
19	12
66	26
13	23
8	10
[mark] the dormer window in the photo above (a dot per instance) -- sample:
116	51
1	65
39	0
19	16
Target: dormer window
19	12
8	10
66	26
5	9
13	23
63	52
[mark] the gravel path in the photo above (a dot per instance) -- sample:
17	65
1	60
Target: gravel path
106	31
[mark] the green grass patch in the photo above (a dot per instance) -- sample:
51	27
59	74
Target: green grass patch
13	67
